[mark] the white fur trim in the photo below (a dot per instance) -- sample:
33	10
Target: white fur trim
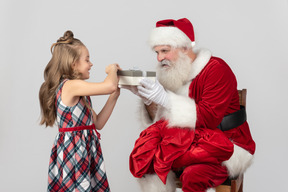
152	183
203	57
193	43
169	36
181	111
239	161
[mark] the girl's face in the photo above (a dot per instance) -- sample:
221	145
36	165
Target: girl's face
84	65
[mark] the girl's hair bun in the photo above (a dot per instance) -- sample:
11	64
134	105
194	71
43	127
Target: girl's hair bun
67	37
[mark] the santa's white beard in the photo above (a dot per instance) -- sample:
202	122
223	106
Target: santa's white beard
176	75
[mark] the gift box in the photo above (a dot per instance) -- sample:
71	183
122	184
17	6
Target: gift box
132	77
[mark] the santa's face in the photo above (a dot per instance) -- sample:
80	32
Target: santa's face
174	67
166	52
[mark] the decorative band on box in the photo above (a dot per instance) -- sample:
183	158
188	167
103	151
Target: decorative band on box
132	77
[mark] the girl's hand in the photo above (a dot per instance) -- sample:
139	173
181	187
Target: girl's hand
112	68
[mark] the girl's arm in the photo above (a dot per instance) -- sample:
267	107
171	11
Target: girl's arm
83	88
73	89
101	119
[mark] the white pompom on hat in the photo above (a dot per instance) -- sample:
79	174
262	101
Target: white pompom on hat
176	33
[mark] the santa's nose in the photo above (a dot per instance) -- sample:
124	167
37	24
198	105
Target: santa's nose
160	57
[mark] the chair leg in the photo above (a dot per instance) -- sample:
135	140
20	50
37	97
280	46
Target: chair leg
241	187
234	185
223	188
240	183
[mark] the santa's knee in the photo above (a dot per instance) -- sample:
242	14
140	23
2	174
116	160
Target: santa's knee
152	183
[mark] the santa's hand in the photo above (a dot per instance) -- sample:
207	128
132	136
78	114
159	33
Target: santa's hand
134	90
153	91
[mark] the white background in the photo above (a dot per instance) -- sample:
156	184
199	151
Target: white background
250	35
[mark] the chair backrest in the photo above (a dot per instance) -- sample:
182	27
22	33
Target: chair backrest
236	184
242	97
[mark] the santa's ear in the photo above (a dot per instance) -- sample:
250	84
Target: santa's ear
185	50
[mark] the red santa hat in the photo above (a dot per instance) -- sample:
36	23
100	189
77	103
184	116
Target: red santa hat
176	33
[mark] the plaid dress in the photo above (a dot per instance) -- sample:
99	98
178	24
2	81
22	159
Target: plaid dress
76	162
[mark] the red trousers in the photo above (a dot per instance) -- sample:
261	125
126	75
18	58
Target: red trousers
160	149
199	177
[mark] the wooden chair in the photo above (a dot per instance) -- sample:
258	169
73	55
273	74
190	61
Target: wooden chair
242	97
231	184
234	184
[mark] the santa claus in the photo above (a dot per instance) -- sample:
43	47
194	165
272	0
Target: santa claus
183	114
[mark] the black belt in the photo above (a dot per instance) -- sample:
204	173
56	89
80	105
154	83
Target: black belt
233	120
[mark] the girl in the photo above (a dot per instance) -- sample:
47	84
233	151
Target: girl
76	162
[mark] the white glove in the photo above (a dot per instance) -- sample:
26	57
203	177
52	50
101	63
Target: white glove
134	90
153	91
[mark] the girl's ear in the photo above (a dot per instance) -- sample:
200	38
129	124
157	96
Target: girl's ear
74	65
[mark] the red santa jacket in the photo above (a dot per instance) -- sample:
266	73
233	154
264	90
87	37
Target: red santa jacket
209	94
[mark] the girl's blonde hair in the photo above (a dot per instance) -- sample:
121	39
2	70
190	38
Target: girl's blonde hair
65	53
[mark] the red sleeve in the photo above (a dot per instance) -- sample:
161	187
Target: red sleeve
219	86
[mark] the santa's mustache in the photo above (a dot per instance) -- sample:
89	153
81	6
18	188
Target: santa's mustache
165	63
